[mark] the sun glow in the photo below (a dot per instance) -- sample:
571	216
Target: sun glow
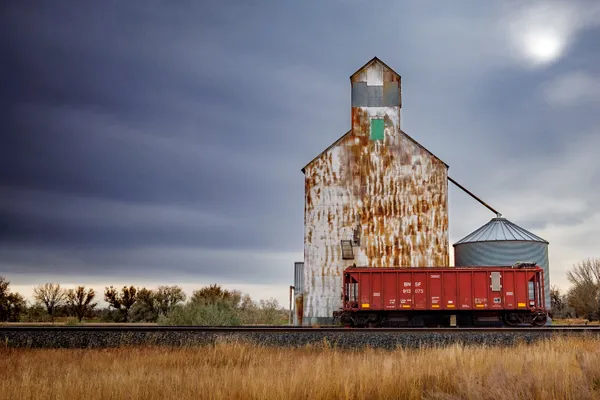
543	47
540	32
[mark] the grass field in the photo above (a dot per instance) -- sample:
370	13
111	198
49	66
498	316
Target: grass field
558	369
574	321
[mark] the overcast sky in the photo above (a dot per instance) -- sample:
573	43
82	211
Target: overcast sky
149	142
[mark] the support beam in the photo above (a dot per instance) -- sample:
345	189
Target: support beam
475	197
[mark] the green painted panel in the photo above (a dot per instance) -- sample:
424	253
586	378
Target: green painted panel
377	128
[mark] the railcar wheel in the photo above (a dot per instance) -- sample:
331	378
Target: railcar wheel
347	320
361	321
511	319
540	319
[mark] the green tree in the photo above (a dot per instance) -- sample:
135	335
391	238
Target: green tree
145	308
214	294
79	301
36	313
197	314
121	300
12	305
51	295
213	305
270	312
210	305
152	303
168	297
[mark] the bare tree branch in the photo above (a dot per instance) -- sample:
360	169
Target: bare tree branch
51	295
79	301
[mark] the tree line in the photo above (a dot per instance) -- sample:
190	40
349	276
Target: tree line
214	305
582	299
168	305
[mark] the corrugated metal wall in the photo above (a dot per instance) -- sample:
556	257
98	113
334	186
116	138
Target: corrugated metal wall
298	292
499	253
393	192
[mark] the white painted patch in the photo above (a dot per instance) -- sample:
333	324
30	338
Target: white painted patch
375	74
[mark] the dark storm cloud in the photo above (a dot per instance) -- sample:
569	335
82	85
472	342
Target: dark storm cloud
113	111
179	264
139	137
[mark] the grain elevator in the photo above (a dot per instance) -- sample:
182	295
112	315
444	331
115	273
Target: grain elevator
374	197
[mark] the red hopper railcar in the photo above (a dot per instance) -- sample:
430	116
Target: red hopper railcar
449	296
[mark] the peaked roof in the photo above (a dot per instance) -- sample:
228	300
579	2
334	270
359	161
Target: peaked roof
372	60
329	147
350	131
500	229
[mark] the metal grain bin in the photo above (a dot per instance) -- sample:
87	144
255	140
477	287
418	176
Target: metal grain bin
501	242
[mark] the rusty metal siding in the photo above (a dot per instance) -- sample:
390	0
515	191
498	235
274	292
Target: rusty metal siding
359	95
375	96
393	191
391	94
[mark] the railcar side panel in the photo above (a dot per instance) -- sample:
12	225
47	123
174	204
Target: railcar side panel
508	287
376	278
449	290
480	290
364	290
465	291
521	289
420	295
435	290
405	287
390	292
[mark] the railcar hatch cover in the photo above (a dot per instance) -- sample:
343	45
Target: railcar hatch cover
495	277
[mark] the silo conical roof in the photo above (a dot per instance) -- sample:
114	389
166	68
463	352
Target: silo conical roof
500	229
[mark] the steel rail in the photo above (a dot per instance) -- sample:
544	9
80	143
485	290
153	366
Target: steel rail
284	329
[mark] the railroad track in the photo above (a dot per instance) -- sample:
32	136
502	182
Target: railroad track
95	336
289	329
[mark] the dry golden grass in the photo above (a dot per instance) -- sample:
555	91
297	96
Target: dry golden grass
557	369
574	321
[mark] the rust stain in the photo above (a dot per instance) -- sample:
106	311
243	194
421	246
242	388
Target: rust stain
299	308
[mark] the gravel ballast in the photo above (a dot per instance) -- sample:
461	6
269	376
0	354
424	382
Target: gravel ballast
104	338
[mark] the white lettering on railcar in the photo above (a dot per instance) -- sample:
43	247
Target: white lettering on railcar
419	291
407	284
375	294
417	284
434	276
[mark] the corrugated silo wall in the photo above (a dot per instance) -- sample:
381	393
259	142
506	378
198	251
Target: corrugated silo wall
393	190
298	292
505	253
